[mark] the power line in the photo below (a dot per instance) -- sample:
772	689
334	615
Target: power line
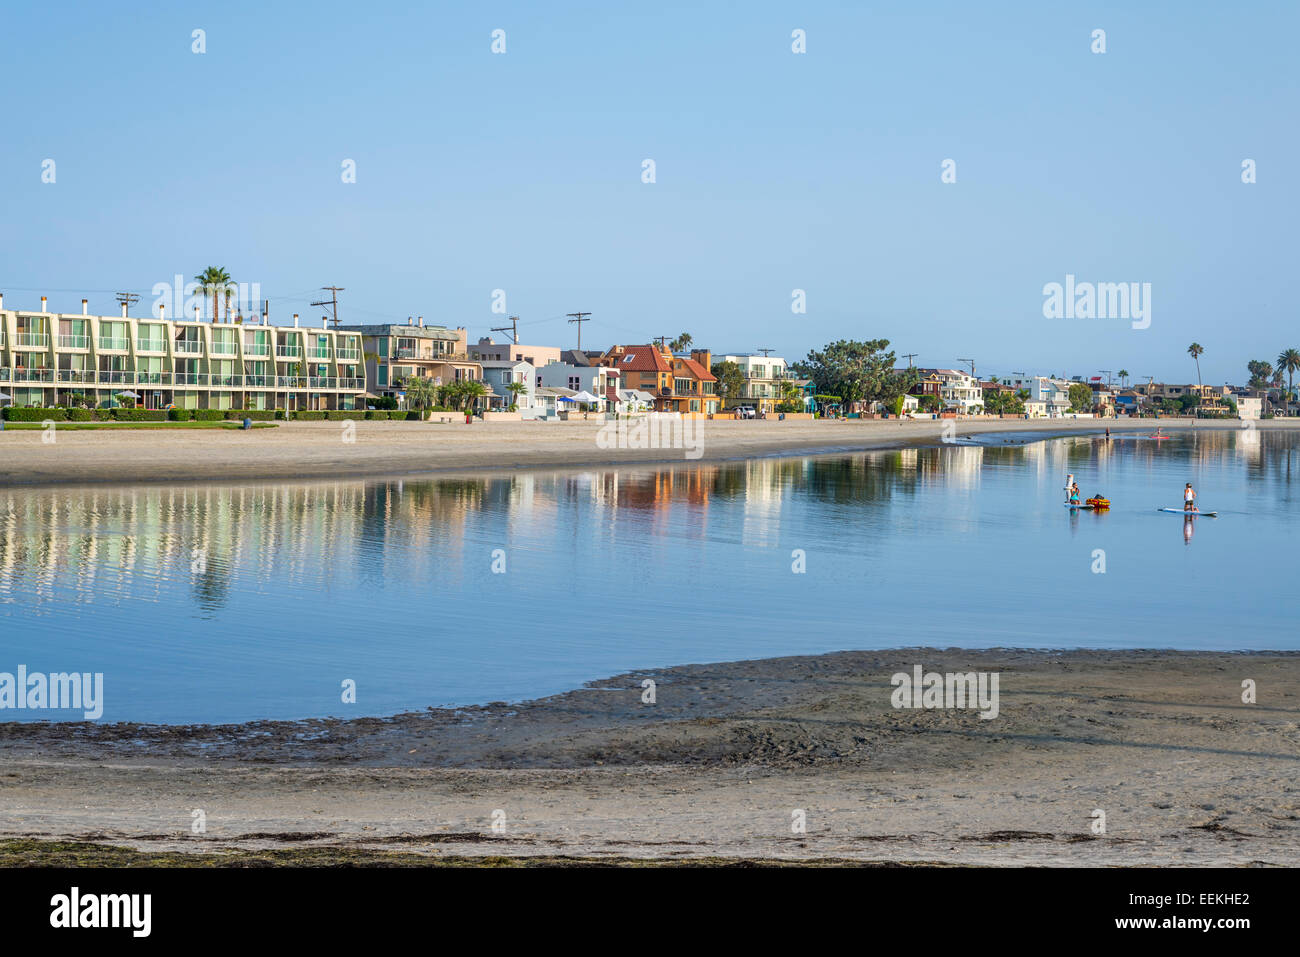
513	329
579	318
332	301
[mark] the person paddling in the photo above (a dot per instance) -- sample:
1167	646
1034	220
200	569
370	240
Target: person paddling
1189	498
1074	494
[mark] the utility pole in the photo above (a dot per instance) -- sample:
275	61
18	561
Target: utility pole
332	302
513	329
662	340
126	300
766	352
972	365
909	356
1106	373
579	318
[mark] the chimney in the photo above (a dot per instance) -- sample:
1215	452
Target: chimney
295	320
162	310
2	300
324	322
42	303
196	312
123	310
266	311
85	307
410	321
421	321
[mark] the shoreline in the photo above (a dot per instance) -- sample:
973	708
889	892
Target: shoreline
1159	740
312	451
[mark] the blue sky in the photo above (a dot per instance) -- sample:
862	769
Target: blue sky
775	171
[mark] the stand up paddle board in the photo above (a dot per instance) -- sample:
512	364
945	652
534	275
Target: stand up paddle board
1079	505
1179	511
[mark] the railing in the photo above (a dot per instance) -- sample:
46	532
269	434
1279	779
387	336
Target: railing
32	340
4	370
319	352
150	345
153	378
257	349
113	377
218	381
189	378
288	352
352	383
344	354
406	354
74	342
322	382
77	375
223	348
112	342
189	346
291	382
33	375
259	381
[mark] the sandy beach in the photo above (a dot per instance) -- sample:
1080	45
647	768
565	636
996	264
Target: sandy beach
310	450
1160	741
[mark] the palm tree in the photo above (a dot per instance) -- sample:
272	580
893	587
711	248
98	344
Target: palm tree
212	281
1196	350
420	391
1288	362
681	343
1123	378
516	389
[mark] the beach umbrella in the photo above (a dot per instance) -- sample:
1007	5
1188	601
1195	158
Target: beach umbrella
128	394
585	396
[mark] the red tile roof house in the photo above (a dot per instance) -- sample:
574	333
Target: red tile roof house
678	383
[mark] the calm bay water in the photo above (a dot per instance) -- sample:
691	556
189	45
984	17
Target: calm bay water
232	603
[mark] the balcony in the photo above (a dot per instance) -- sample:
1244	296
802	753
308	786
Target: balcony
74	342
349	355
225	381
32	340
189	347
151	345
153	378
189	378
354	384
4	374
84	376
257	349
33	375
291	382
259	381
288	352
115	377
323	382
223	348
113	344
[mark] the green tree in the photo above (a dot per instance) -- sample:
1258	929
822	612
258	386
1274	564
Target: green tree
731	380
1080	398
213	281
420	391
1288	361
1196	350
1123	378
516	389
1260	373
681	343
859	372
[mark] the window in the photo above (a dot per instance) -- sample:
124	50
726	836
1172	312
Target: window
575	383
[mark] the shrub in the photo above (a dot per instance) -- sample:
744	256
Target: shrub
341	414
80	415
309	416
255	415
208	415
385	403
180	415
139	415
35	415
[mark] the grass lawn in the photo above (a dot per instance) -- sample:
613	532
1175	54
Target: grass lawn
60	426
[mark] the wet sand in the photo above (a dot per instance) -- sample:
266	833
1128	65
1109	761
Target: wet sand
1161	742
314	450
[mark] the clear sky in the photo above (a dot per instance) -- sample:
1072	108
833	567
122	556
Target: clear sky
774	171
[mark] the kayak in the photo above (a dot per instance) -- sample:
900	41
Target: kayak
1179	511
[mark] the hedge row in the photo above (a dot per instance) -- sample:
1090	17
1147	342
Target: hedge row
83	415
216	415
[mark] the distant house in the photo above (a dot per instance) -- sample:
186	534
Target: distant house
601	381
957	390
498	376
487	350
767	379
678	383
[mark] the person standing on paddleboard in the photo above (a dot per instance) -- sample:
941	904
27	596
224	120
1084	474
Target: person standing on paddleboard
1189	498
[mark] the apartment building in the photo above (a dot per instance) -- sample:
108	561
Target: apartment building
956	389
767	379
394	351
1051	395
599	380
678	383
61	359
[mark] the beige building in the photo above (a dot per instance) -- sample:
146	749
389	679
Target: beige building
393	352
485	350
61	359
